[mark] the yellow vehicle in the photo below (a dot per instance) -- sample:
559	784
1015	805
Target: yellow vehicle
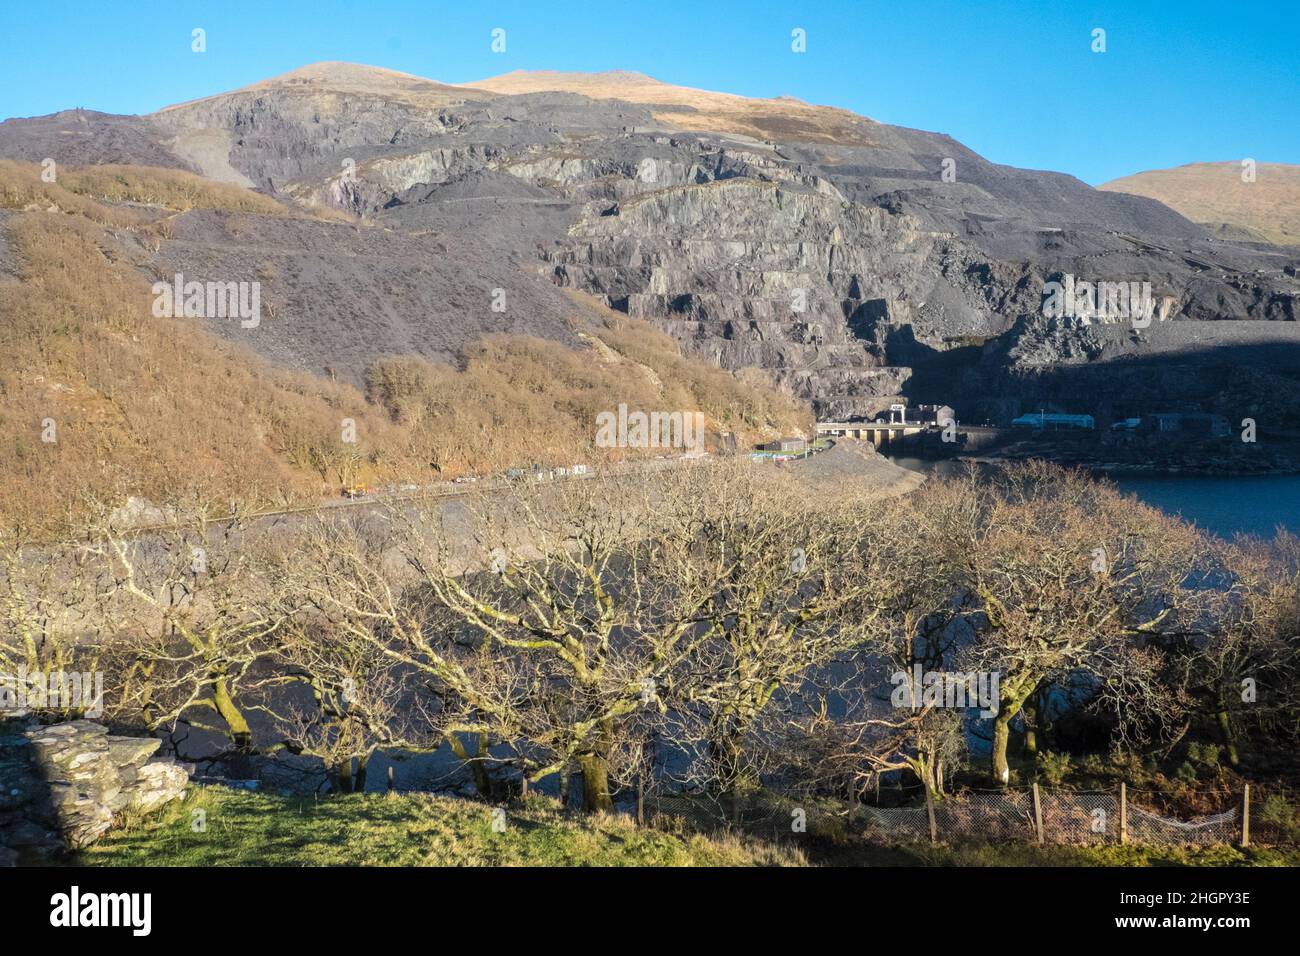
357	490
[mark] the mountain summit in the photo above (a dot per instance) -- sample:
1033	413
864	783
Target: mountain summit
855	262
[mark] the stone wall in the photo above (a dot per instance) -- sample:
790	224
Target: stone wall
63	785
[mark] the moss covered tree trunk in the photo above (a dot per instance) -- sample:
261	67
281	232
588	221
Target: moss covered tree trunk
241	735
1012	698
594	765
1001	734
727	754
595	784
1031	730
476	762
1224	723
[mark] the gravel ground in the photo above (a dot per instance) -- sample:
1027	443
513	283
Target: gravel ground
852	463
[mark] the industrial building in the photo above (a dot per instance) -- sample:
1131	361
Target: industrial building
786	445
1200	424
900	414
1051	421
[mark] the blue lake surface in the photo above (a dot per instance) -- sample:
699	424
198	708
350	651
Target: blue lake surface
1225	506
1221	506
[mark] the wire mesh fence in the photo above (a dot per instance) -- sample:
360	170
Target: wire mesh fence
767	814
1275	815
1050	815
1149	828
1080	816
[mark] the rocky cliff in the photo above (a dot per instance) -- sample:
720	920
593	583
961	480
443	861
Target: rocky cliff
854	260
63	785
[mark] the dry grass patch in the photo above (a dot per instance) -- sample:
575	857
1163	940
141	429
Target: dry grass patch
782	118
1213	193
160	408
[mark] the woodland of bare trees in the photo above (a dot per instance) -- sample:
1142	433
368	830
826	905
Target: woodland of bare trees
711	629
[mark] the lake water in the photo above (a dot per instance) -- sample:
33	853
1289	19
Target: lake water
1225	506
1222	506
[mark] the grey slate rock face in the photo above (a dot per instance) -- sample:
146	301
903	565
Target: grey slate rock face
62	786
79	137
708	235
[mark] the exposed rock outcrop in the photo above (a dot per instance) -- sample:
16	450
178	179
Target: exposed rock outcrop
784	276
63	785
854	260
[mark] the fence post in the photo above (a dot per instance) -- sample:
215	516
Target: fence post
390	776
1245	815
523	784
929	809
640	800
853	798
1123	813
1038	815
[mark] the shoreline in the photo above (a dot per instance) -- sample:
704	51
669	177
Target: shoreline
1277	457
1126	470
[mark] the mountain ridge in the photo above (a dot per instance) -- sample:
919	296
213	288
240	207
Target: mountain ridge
855	262
1264	208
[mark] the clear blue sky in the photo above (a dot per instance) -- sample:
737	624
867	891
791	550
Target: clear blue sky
1180	82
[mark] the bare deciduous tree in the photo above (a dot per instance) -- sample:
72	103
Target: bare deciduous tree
1066	576
51	625
781	586
190	618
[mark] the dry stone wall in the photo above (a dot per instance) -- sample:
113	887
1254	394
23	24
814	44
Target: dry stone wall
62	786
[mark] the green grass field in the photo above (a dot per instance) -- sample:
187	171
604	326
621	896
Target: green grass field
248	828
243	828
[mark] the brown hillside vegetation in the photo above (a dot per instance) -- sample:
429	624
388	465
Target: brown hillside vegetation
158	408
170	189
782	117
332	84
523	399
1214	194
352	80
